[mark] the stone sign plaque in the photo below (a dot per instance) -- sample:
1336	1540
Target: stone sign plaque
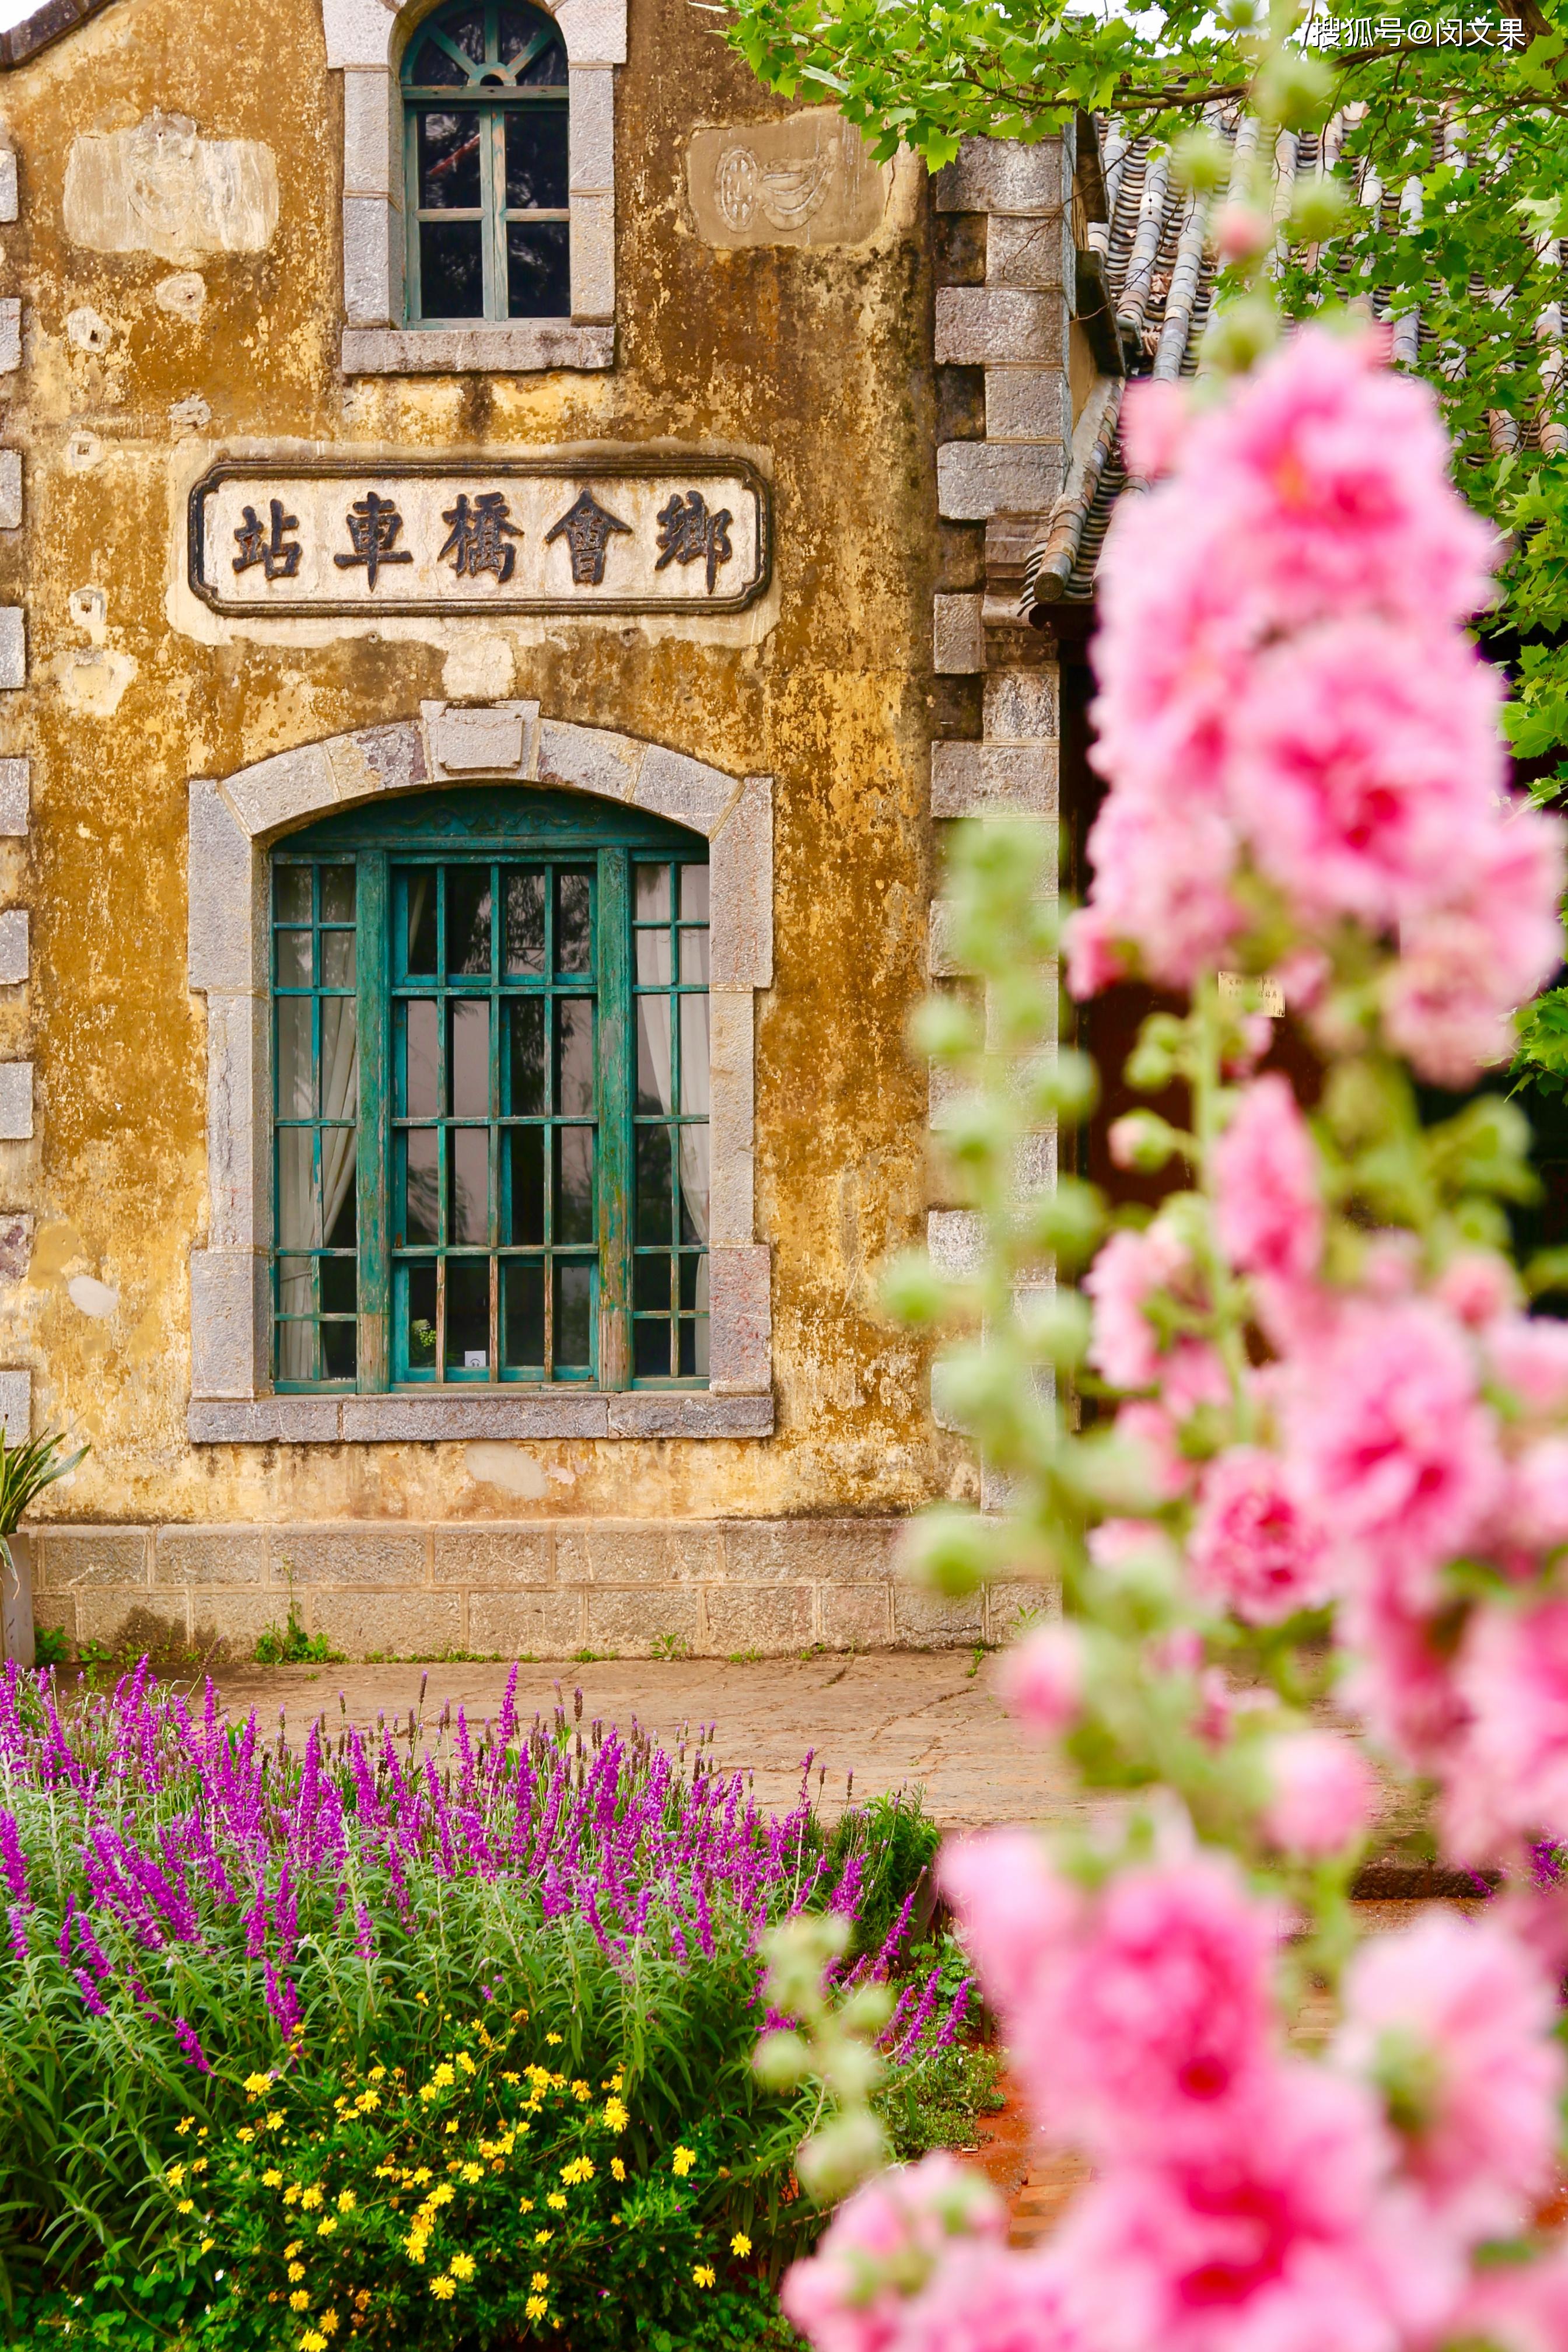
616	534
806	180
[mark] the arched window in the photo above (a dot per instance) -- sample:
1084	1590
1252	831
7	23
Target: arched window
484	106
490	1071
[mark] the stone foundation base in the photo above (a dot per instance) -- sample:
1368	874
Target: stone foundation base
544	1590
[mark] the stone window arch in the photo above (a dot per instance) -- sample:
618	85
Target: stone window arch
384	331
235	827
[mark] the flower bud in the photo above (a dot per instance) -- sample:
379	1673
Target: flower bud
913	1291
1067	1087
1056	1327
1294	90
1068	1221
1318	209
1041	1680
781	2061
944	1029
835	2160
947	1552
1240	232
1237	338
1200	162
1143	1140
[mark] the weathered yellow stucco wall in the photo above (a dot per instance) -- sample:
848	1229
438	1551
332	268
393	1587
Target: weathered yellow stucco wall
817	361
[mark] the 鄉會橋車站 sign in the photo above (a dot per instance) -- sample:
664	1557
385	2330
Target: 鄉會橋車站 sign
616	534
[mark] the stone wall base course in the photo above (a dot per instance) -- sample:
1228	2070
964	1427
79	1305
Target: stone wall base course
825	1551
371	1556
632	1621
855	1618
66	1558
210	1555
934	1623
481	1556
535	1624
408	1623
671	1556
104	1613
767	1617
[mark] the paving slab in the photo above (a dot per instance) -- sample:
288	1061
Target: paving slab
893	1719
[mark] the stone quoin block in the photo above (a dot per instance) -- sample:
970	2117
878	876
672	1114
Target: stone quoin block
13	646
740	1341
368	223
591	129
955	1240
383	1554
958	636
1022	706
1027	404
494	1556
10	490
229	1315
1032	253
66	1558
998	326
238	1193
10	334
17	1406
367	132
742	863
526	1624
15	795
1001	175
358	32
7	184
646	1413
632	1621
16	1102
395	1420
588	758
210	1555
767	1617
990	779
685	790
594	31
263	1421
283	789
732	1122
226	913
977	480
592	236
13	946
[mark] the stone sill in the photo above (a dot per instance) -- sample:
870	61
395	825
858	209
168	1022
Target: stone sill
525	346
394	1420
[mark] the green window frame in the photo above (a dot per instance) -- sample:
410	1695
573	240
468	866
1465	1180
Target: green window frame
485	120
490	1055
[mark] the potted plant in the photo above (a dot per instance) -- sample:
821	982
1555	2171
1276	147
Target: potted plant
24	1471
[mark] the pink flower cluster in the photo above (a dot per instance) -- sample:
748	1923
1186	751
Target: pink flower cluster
1287	693
1242	2199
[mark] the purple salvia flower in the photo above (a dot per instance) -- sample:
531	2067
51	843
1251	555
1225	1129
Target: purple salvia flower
13	1861
190	2043
364	1938
91	1998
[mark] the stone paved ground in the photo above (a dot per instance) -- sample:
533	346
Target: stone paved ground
893	1719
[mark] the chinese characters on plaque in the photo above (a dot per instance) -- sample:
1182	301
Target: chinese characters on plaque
540	538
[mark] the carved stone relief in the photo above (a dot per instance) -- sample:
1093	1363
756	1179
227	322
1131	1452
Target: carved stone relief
161	188
808	180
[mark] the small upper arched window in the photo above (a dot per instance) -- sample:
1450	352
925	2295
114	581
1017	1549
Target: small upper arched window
484	105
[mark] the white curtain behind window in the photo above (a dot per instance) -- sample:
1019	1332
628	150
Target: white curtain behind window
297	1227
691	1170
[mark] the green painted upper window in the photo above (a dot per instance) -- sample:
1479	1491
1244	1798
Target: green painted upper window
490	1107
484	112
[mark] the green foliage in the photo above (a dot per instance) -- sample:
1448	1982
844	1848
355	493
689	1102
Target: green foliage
52	1645
1541	1058
939	2102
293	1646
895	1843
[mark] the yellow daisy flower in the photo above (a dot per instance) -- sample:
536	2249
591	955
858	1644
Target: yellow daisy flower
472	2172
199	2165
186	2206
183	2125
293	2248
310	2198
552	2041
463	2266
257	2085
704	2275
272	2178
682	2162
535	2307
616	2117
245	2135
296	2273
556	2202
274	2118
327	2323
525	2204
176	2176
466	2062
618	2168
347	2200
540	2282
298	2299
740	2244
542	2237
312	2341
325	2227
207	2245
442	2289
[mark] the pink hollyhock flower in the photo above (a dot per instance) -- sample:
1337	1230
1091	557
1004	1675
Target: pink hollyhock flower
1507	1777
1529	1354
1017	1915
1322	1793
1161	2013
985	2299
1241	230
883	2247
1153	426
1534	1512
1266	1208
1149	1428
1093	957
1477	1287
1449	998
1130	1271
1285	2235
1361	759
1385	1430
1041	1680
1519	2306
1400	1680
1255	1548
1453	2020
1160	899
